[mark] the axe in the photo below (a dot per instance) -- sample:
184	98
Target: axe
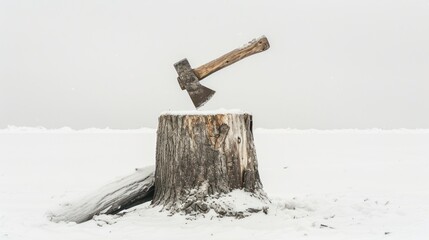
189	78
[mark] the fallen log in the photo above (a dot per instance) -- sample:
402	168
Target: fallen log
110	199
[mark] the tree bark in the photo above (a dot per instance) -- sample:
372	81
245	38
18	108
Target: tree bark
204	155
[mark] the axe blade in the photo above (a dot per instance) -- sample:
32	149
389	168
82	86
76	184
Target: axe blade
199	94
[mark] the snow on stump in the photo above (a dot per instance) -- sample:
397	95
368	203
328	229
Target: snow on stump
201	161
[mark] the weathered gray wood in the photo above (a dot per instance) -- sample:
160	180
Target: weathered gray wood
203	155
112	198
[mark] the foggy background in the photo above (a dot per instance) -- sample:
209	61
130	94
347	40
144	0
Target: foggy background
332	64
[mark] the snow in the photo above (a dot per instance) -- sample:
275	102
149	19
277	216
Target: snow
324	184
207	112
15	129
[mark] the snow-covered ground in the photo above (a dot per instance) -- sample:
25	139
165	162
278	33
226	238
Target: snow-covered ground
340	184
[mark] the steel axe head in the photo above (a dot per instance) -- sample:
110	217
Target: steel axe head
188	80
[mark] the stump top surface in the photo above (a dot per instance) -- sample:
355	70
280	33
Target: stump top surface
212	112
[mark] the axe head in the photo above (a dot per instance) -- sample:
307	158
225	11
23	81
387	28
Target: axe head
189	81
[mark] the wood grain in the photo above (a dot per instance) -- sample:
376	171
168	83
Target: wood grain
112	198
253	47
203	155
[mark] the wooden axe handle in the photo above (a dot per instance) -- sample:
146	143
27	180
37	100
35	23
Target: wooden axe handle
256	46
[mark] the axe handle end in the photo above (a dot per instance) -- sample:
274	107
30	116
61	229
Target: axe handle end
256	46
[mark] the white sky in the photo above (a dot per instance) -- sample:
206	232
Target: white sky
332	64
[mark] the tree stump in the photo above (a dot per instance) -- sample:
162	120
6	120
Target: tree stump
202	157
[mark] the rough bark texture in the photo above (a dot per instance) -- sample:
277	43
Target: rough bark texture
204	155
